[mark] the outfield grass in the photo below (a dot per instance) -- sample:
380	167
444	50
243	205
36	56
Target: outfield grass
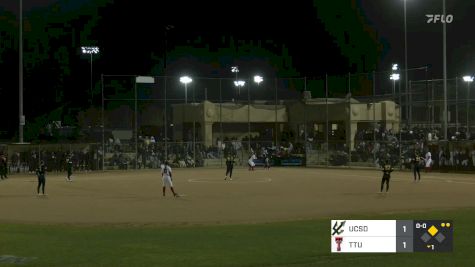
299	243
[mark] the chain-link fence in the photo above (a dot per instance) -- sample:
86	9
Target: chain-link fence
347	120
354	119
23	158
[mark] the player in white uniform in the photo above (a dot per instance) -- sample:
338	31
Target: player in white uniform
428	162
167	178
251	162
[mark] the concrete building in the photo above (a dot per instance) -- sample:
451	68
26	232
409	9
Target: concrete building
207	120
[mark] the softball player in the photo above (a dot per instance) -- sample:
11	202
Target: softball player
3	167
167	178
387	169
416	160
266	162
69	167
429	163
41	173
229	167
251	162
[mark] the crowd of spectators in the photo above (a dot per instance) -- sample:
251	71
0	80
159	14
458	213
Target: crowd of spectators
87	159
372	146
382	144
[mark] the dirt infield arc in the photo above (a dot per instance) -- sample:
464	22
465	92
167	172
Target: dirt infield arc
134	197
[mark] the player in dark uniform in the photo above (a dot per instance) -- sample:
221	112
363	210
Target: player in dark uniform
416	161
3	167
387	169
229	167
266	161
41	173
69	168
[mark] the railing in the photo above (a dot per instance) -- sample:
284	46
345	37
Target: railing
458	156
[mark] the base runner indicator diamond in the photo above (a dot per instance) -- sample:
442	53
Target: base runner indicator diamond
425	237
440	237
433	230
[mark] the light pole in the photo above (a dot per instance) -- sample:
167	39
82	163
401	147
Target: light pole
235	69
395	77
257	79
456	105
90	50
186	80
468	80
240	84
20	77
444	48
405	60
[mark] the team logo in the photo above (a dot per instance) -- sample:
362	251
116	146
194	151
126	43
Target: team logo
338	241
337	228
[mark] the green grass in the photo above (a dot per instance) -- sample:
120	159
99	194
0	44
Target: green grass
299	243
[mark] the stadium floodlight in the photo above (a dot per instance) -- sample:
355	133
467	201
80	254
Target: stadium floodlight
258	79
90	49
235	69
394	76
239	83
395	67
186	80
468	79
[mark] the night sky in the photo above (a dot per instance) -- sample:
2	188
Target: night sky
306	38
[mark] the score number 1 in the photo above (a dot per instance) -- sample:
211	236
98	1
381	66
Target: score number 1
404	243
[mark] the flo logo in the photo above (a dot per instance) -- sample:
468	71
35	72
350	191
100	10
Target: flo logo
434	18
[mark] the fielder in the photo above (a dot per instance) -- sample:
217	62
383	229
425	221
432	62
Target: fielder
428	161
229	167
167	178
251	162
41	173
69	167
387	169
416	160
267	162
3	167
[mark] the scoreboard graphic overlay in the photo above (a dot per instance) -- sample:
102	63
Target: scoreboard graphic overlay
391	236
